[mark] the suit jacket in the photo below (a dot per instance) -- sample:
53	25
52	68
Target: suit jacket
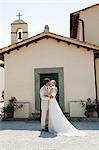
44	92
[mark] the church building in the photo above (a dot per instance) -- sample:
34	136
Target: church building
72	62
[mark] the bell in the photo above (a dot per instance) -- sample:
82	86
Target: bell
20	35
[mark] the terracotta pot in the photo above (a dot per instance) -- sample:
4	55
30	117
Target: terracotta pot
91	114
8	115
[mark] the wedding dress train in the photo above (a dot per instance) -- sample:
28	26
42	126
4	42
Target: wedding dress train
58	123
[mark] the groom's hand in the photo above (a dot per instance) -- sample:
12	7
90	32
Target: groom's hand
46	95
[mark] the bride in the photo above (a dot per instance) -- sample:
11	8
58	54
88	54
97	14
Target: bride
58	123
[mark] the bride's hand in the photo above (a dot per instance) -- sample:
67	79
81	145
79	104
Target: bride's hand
51	96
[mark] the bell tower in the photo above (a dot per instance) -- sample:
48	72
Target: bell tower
19	30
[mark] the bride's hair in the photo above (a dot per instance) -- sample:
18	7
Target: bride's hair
52	82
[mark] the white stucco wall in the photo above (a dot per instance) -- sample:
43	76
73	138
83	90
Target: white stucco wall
80	31
1	81
91	24
78	66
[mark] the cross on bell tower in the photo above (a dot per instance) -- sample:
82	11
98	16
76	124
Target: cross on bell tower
19	30
19	15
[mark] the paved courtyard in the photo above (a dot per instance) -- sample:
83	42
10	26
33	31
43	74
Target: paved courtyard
26	135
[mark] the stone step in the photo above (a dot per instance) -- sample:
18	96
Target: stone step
94	119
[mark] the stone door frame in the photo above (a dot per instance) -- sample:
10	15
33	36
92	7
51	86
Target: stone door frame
37	72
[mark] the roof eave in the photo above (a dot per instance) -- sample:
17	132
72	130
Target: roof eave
48	35
84	9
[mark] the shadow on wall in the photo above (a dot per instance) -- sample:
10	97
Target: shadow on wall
1	81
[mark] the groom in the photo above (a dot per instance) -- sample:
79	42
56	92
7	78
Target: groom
45	104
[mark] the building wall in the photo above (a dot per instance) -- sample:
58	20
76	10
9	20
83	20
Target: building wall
80	31
91	24
78	66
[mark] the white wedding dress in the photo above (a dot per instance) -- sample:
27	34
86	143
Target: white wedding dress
58	123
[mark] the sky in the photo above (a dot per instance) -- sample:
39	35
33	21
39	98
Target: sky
38	13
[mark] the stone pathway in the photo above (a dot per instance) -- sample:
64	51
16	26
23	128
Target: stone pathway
26	135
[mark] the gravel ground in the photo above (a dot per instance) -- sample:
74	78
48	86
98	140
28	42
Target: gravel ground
26	135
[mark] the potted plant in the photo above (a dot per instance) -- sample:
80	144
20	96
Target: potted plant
11	107
97	102
90	108
9	111
2	94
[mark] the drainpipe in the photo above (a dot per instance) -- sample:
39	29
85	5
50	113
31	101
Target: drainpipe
83	28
